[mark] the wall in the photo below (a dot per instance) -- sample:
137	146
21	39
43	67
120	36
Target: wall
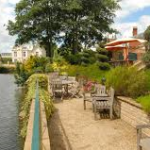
45	140
132	113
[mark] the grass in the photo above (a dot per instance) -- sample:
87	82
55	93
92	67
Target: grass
145	102
91	72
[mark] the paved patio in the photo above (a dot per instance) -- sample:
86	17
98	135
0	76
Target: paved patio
72	128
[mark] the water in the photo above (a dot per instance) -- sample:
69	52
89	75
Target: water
9	104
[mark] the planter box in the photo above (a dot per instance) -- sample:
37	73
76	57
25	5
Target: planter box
132	113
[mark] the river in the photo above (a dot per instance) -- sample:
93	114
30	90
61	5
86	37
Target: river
9	105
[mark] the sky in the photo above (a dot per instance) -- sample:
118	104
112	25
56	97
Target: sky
132	13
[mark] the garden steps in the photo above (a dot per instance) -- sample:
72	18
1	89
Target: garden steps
139	64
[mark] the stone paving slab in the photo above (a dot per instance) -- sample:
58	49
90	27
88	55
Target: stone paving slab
78	129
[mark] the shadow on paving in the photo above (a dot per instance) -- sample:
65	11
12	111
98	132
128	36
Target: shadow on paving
58	137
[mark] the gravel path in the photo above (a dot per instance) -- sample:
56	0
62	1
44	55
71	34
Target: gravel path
72	128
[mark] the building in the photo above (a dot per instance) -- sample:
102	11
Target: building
5	58
6	55
131	51
23	52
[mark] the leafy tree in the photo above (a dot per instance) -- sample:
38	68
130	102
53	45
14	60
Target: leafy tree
87	21
82	22
88	57
147	37
146	56
36	20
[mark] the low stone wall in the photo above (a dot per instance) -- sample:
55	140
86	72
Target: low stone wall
132	113
45	140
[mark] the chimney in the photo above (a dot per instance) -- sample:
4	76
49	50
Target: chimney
135	31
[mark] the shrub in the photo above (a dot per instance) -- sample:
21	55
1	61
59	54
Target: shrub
146	58
34	62
7	69
48	68
102	58
91	72
103	65
128	81
43	96
145	102
73	59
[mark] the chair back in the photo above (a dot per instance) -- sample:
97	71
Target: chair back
72	78
55	75
100	89
57	85
111	94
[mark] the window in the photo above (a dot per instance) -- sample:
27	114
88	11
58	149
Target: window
37	54
15	54
24	54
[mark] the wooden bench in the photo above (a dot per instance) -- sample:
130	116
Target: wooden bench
142	143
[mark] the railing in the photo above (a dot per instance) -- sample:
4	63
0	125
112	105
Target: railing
37	131
36	124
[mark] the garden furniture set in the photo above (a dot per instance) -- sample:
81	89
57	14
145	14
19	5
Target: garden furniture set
143	143
64	86
100	99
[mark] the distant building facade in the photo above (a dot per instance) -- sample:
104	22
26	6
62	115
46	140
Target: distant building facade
23	52
6	55
136	50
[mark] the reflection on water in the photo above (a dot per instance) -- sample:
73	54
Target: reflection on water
9	123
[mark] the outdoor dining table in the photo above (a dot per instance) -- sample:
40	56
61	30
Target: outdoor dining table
66	83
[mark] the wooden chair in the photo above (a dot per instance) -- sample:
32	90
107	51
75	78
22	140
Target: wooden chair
87	95
104	102
142	143
74	90
57	88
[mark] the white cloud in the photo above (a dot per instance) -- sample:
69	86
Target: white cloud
7	13
130	6
126	28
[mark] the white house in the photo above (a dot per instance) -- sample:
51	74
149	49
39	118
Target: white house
23	52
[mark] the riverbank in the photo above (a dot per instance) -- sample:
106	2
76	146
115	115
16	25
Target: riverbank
7	69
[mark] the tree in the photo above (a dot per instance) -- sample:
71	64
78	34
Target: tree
82	22
87	21
36	20
147	37
102	58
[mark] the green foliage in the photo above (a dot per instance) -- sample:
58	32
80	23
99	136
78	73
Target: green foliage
7	60
48	68
88	57
43	96
146	59
7	69
91	72
103	65
36	63
32	65
127	81
147	37
145	102
81	21
73	59
102	59
21	75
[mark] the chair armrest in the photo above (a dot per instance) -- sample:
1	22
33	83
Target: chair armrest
143	126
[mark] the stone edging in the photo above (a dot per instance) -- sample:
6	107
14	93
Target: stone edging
129	101
45	140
